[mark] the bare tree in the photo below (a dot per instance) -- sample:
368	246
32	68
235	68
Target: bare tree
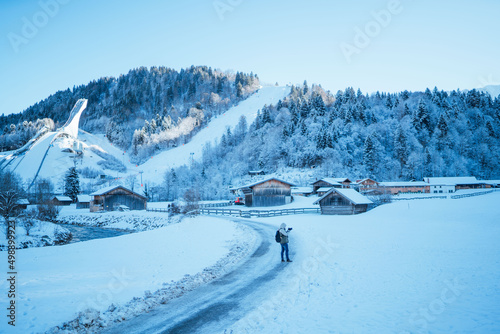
11	192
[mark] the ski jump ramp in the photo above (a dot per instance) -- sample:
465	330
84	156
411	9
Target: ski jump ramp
71	126
37	149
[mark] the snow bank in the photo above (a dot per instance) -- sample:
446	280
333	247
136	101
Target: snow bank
40	235
129	220
406	267
106	279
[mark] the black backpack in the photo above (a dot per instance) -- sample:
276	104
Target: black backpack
277	237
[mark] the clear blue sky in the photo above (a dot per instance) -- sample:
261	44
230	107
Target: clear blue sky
448	44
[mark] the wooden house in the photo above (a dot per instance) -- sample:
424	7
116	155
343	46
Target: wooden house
365	185
330	182
338	201
115	198
61	200
83	201
270	192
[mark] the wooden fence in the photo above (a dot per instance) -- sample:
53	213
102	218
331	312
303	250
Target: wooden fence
412	198
257	213
157	209
472	194
216	205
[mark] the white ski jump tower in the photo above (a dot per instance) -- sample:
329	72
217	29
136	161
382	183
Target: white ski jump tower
71	126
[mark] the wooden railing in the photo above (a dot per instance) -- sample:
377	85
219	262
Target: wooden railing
157	209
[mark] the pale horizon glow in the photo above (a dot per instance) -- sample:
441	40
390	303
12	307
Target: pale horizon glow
395	45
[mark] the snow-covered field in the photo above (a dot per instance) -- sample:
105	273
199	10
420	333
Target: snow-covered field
55	283
416	266
428	266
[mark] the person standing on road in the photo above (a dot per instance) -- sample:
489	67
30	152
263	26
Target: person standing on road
284	242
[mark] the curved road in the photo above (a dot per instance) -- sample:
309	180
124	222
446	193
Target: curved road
216	305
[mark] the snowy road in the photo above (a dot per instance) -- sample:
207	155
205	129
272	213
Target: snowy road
221	303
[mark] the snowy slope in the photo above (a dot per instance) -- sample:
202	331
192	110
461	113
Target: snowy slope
181	155
28	162
49	156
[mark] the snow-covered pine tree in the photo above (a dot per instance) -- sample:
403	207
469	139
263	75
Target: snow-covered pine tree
72	184
370	156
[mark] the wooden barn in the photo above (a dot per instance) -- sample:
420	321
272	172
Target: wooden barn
343	202
270	192
116	197
83	201
330	182
61	200
23	203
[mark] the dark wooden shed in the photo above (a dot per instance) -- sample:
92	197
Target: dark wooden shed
270	192
115	198
83	201
343	202
61	200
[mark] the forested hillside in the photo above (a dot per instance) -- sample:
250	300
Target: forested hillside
403	136
162	104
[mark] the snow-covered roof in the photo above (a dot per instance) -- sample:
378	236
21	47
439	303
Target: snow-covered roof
492	182
62	198
106	190
23	201
350	194
364	180
404	184
304	190
84	198
323	189
452	181
262	181
334	180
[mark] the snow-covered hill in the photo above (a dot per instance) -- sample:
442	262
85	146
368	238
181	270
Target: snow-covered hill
181	155
54	152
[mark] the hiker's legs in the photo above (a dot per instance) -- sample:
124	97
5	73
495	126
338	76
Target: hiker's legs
284	247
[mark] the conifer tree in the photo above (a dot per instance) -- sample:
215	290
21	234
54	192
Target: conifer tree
370	156
401	146
72	184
